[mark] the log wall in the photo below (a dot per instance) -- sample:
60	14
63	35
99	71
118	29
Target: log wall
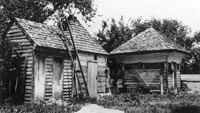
64	90
16	35
142	77
67	80
48	77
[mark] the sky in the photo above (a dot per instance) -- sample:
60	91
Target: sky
185	11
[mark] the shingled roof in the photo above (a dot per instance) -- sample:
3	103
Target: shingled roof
147	41
49	36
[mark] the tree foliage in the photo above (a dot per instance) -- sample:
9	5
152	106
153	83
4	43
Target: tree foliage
193	61
111	36
114	34
38	10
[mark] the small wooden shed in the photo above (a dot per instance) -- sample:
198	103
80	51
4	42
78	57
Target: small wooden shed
47	70
149	59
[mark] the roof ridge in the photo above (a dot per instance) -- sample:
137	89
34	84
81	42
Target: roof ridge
161	37
128	41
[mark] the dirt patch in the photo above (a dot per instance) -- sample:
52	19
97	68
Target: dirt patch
93	108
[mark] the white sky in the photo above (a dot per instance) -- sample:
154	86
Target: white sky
186	11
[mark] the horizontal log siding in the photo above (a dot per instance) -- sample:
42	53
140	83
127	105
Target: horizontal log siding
16	35
151	77
170	82
29	80
48	77
130	81
67	80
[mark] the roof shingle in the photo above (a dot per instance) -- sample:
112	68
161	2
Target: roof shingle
49	36
147	41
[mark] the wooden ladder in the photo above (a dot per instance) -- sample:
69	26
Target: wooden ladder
81	83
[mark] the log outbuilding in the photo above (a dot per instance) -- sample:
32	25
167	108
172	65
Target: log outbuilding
46	66
150	60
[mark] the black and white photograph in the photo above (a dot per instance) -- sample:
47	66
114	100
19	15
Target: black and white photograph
99	56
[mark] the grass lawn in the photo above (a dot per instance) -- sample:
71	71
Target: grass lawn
129	102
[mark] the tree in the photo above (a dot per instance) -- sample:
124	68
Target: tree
114	34
193	61
38	10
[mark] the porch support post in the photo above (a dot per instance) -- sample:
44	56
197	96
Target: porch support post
178	76
163	78
173	74
161	84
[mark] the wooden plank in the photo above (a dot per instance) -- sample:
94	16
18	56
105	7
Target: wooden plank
67	71
39	78
67	80
67	86
28	87
29	73
28	91
57	78
12	31
91	79
14	27
28	80
25	43
16	38
18	34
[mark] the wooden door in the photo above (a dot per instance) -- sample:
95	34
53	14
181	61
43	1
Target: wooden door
39	78
57	78
92	78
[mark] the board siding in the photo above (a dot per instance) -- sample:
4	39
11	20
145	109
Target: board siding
16	35
101	76
67	80
133	78
48	79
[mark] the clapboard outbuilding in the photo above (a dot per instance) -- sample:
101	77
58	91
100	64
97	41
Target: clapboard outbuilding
149	59
47	70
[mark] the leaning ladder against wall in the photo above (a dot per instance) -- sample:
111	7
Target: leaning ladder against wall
74	71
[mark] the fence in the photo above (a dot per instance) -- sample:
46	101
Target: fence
192	81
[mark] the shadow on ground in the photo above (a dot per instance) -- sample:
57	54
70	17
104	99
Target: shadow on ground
189	109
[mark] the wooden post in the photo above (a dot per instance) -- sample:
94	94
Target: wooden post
175	70
161	84
164	76
173	80
178	76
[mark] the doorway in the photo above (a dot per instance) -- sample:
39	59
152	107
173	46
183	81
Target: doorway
92	78
57	78
39	78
